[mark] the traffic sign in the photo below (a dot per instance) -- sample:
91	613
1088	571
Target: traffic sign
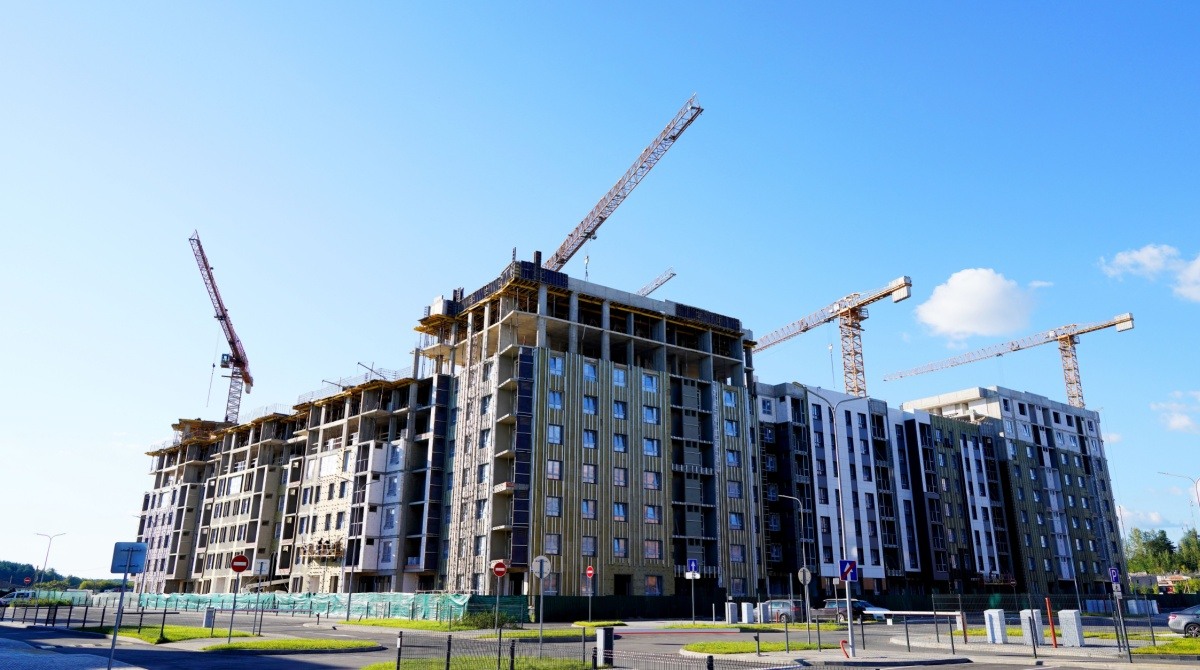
129	557
805	576
591	572
1117	590
691	575
1114	576
693	565
499	568
28	581
848	570
239	563
541	567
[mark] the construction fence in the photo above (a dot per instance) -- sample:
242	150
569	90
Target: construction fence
416	606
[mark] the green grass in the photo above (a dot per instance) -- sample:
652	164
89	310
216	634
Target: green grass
170	633
474	664
555	633
598	624
1181	646
754	627
1015	632
294	644
747	647
414	624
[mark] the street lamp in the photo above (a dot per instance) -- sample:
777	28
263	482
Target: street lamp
1195	489
833	407
46	561
791	596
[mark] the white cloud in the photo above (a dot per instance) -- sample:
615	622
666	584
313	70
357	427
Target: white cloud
1138	519
1113	438
976	301
1153	260
1180	414
1180	423
1148	261
1038	283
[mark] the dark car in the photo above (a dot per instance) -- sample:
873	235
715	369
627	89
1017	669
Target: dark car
785	610
838	606
1186	621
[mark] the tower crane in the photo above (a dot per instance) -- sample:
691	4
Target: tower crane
235	360
850	312
653	286
1067	337
587	228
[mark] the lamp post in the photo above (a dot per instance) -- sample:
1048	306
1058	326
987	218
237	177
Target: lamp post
46	561
799	512
1195	489
833	407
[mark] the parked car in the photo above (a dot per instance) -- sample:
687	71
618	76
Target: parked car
785	610
1186	621
875	611
835	608
16	596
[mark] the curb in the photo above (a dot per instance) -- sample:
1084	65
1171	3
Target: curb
291	652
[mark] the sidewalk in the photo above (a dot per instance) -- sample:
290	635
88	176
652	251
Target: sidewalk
14	654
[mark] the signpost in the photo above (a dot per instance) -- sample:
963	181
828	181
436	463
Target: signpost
849	572
28	581
238	564
541	569
128	558
499	568
591	573
693	573
805	576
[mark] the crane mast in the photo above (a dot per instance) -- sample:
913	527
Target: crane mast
587	228
236	361
653	286
850	312
1066	336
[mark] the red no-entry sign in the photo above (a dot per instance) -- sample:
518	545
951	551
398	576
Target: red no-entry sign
28	581
239	563
591	572
499	568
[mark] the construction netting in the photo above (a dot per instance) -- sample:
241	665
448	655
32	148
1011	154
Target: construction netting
424	606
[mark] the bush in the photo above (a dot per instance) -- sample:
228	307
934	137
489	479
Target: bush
488	620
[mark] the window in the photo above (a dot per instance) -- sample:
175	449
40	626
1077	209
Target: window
589	404
652	550
554	399
589	473
588	545
733	458
556	365
651	480
769	464
767	406
480	541
652	514
481	473
553	506
620	442
654	585
341	520
822	495
485	405
620	511
733	489
553	469
649	383
484	436
729	398
620	477
731	427
651	446
736	521
554	434
588	508
589	439
342	489
650	414
589	372
328	521
480	508
618	377
553	543
619	409
825	526
738	586
620	547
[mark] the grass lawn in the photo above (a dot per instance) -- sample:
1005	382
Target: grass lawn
747	647
475	664
598	624
413	624
754	627
1180	646
298	644
1015	632
170	633
553	633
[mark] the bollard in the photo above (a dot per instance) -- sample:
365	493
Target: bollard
399	647
102	613
594	661
907	641
512	655
951	636
862	631
85	613
70	611
449	639
141	617
757	646
162	630
787	640
708	663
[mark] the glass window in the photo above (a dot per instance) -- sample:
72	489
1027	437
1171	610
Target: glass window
554	434
553	543
481	473
553	506
649	382
736	521
733	458
618	376
589	372
589	404
737	553
588	508
620	547
588	545
589	473
651	446
730	398
619	409
650	414
652	549
767	406
484	436
485	404
620	511
589	439
554	399
620	477
553	469
731	427
734	489
620	442
556	365
651	480
654	585
738	585
652	514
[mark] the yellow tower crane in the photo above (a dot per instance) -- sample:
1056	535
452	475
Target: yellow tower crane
850	312
1066	336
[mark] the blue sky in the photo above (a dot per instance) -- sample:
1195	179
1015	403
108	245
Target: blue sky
1034	164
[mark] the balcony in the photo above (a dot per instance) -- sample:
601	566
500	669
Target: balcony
506	488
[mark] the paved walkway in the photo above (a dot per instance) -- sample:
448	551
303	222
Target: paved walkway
14	654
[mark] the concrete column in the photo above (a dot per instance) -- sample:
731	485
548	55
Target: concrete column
487	319
993	621
1031	627
543	306
1071	631
604	340
573	327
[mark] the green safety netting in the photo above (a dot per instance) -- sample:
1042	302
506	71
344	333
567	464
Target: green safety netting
426	606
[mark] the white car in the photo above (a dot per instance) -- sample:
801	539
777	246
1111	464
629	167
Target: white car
879	613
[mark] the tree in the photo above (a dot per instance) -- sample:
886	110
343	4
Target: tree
1188	556
1150	551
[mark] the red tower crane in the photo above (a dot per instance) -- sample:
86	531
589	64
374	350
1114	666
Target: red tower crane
235	361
